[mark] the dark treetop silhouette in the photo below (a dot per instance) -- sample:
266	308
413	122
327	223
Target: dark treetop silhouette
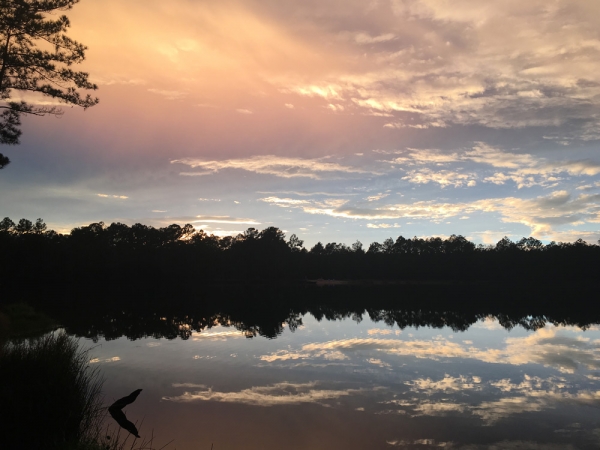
26	67
119	256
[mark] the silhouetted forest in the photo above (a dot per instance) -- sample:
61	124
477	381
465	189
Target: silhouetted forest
119	255
117	280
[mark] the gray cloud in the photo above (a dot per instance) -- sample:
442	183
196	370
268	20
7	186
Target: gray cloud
495	66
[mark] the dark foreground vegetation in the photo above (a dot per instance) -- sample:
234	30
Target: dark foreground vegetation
119	255
50	396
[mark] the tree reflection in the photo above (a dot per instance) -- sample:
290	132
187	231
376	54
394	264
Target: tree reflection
267	312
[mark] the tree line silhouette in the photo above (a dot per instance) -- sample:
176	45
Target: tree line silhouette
120	254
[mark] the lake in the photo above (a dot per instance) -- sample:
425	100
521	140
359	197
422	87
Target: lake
353	381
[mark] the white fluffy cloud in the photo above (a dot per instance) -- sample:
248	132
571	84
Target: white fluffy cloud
225	220
542	214
447	384
442	177
278	166
494	165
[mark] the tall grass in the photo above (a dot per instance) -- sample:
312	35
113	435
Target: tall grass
50	396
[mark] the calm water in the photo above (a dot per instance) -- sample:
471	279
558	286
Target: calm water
348	385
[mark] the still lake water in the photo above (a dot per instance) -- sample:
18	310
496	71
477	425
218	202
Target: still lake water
366	385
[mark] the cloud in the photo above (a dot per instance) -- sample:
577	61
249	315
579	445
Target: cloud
431	349
341	208
308	194
589	187
514	68
383	331
378	362
285	201
492	412
542	214
502	65
489	323
196	174
447	384
225	219
532	400
223	233
382	225
442	177
365	38
438	408
545	347
524	169
286	355
169	95
533	394
574	235
374	198
486	154
119	197
278	166
413	156
548	348
217	335
496	399
325	91
277	394
97	360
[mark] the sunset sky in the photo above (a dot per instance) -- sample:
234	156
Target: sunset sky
335	120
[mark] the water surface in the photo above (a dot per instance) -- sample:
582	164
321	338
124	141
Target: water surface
362	384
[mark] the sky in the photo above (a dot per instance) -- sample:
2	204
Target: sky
333	120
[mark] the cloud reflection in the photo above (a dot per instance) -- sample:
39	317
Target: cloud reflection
546	346
532	394
277	394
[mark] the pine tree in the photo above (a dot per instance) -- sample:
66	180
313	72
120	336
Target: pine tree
36	56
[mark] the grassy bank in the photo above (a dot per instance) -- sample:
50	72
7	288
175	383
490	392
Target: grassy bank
52	395
52	399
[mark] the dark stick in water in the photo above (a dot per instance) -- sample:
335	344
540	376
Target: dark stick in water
119	416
